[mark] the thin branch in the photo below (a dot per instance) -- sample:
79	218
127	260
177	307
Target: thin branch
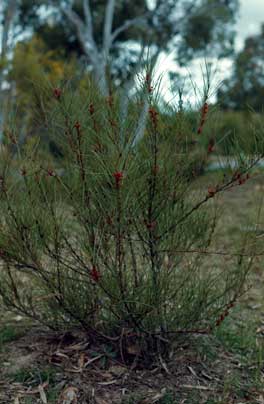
137	21
108	24
221	188
76	21
84	32
88	17
208	252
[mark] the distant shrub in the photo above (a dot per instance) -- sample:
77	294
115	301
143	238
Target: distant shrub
230	131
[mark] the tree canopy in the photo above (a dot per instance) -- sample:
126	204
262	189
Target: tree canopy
188	28
245	87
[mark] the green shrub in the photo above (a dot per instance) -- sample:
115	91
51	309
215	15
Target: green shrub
231	131
111	242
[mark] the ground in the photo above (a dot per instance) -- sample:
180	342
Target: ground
38	366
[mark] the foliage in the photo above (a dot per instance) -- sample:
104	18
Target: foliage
228	131
114	238
33	62
203	28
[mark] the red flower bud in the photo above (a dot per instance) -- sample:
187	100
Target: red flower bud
77	125
50	172
147	78
210	148
153	116
91	108
151	226
57	93
95	274
118	178
205	108
211	192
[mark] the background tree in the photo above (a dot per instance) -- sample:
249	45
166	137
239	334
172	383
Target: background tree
245	87
7	14
109	36
32	65
114	30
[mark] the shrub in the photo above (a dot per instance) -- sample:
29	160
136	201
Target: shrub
231	131
113	238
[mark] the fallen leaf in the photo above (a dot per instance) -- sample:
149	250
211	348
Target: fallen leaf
81	360
42	394
134	349
117	370
100	401
69	396
107	383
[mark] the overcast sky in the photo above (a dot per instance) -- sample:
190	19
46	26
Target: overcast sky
249	20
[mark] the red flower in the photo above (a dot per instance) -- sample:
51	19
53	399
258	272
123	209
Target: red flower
153	113
151	226
95	274
204	113
147	78
91	108
148	82
57	93
211	192
50	172
153	116
118	178
205	109
77	125
210	148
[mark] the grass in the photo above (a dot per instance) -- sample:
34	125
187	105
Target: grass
9	333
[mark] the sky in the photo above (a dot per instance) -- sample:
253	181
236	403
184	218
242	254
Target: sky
249	20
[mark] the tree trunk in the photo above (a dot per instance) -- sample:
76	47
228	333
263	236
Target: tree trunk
9	11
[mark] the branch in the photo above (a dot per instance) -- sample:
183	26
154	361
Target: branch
88	17
137	21
76	21
73	17
108	24
9	13
84	31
